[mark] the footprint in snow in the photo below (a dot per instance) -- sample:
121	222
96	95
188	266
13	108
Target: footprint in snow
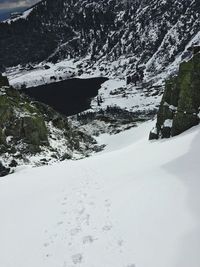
75	231
60	223
107	203
88	239
85	219
46	245
107	227
81	211
77	258
120	243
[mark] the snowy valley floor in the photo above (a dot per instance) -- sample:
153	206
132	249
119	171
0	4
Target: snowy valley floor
137	204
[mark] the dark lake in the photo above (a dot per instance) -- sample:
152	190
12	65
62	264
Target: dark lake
68	97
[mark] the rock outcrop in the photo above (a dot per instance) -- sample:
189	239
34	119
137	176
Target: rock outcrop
3	80
3	170
31	132
180	106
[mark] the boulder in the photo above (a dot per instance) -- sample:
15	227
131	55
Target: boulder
34	130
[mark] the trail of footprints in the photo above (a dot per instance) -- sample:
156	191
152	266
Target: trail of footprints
75	219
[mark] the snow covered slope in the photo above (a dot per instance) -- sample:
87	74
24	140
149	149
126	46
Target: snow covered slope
115	92
135	205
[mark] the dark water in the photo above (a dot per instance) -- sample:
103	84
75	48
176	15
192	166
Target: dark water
68	97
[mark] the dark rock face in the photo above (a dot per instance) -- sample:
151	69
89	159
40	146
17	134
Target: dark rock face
180	105
105	30
21	120
35	131
3	170
3	81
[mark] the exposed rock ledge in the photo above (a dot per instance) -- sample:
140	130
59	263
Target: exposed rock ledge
180	106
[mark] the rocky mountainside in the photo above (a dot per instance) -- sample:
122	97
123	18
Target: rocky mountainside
112	36
180	105
33	133
55	40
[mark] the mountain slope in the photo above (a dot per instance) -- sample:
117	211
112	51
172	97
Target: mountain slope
133	205
113	36
35	134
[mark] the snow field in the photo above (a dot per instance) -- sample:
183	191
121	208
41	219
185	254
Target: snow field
134	205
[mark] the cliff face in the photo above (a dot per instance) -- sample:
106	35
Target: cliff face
180	106
150	32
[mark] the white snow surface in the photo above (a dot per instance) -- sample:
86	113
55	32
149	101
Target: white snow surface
168	123
136	204
39	75
115	92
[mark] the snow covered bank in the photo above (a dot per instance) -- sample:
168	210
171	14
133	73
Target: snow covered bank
135	205
115	92
41	74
